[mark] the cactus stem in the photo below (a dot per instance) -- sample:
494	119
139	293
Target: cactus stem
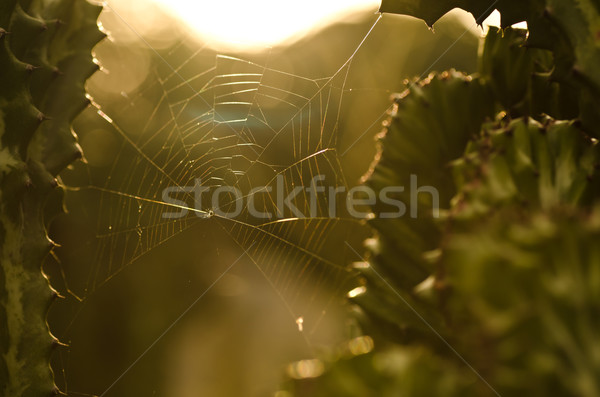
35	153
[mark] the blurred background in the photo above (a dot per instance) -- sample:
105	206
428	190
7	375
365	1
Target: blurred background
234	92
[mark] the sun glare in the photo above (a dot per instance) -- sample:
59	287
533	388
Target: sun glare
494	20
246	24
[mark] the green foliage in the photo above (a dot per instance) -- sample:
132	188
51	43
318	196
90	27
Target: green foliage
45	58
498	296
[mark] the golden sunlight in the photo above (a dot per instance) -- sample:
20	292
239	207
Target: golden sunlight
248	25
494	20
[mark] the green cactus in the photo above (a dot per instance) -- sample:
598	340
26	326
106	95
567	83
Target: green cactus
423	135
568	28
509	274
526	286
529	165
523	308
45	59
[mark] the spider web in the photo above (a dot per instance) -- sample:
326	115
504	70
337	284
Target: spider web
225	121
229	125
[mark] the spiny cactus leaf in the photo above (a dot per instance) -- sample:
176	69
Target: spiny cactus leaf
430	126
395	313
526	164
511	164
519	76
521	80
68	58
45	58
567	27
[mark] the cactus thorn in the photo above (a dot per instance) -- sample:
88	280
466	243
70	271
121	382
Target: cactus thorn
51	244
57	392
56	343
56	295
